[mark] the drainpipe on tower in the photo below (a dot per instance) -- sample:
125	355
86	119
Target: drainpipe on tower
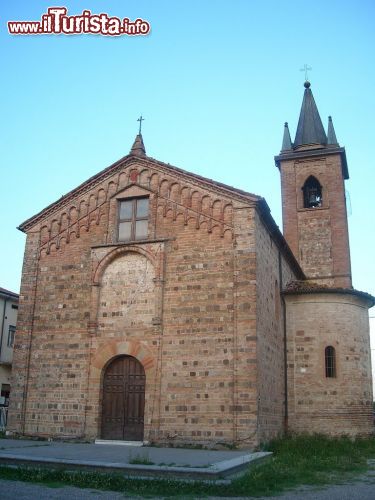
2	326
285	347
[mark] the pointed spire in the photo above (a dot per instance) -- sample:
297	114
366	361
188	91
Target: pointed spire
331	135
310	128
138	148
287	142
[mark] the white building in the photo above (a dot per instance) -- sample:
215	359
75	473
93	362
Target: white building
8	320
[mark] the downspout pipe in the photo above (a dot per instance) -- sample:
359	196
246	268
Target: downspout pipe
2	326
285	368
285	346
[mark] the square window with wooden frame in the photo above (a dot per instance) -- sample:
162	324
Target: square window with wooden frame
133	219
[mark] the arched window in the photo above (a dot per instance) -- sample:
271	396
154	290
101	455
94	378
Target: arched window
312	193
330	361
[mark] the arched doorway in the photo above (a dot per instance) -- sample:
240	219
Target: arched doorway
123	400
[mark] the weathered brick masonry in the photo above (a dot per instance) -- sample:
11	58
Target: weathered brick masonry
325	314
201	327
184	302
318	237
341	404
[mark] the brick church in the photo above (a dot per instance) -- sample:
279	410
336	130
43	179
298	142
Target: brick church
157	305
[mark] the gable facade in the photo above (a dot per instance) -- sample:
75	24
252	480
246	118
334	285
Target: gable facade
182	301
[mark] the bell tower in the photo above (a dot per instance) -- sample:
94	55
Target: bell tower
313	170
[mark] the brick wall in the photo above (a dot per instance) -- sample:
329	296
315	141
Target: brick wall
317	236
338	405
197	303
55	357
272	274
183	303
21	352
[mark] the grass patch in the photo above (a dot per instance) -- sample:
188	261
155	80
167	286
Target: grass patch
141	461
297	460
307	460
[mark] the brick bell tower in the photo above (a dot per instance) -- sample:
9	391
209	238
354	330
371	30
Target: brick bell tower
313	169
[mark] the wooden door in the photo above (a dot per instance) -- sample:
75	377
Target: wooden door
123	400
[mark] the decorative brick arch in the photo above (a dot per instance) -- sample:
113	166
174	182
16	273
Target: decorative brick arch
119	252
100	267
105	353
100	359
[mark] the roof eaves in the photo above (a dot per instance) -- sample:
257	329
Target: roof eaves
308	153
278	237
80	188
109	170
207	181
8	293
321	289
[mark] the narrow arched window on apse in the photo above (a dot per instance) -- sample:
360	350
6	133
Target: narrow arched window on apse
312	193
330	361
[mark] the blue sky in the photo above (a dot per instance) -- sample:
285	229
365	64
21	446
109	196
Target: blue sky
215	81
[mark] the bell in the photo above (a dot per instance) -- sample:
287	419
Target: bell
313	200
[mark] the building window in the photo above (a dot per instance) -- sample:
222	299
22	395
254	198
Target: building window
11	332
312	193
133	219
5	392
330	359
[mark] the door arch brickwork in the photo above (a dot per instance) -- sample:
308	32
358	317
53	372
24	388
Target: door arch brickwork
101	359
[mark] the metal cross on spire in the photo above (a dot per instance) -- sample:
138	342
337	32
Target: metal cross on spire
140	120
306	69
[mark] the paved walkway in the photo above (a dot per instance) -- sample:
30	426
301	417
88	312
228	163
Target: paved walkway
132	460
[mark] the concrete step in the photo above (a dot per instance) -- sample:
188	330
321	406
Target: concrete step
120	443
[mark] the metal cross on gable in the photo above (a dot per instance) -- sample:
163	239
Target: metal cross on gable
140	120
306	68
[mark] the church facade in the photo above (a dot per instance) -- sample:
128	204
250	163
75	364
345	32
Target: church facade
157	305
